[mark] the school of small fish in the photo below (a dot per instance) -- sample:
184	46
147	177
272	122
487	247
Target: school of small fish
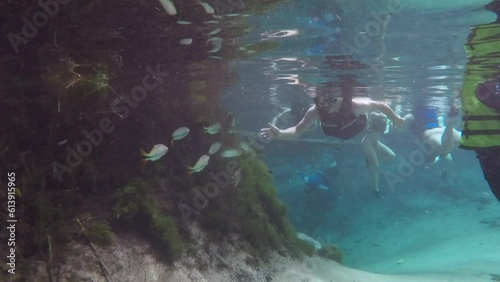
160	150
214	43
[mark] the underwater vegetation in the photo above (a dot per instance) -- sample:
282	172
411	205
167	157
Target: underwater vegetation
253	210
101	233
331	252
75	117
136	209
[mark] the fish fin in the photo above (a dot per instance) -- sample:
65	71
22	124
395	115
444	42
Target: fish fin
189	171
172	143
143	154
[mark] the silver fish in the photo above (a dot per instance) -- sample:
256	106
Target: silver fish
186	41
208	9
214	148
230	153
169	7
180	133
215	31
156	153
236	179
245	147
232	121
200	164
216	42
213	128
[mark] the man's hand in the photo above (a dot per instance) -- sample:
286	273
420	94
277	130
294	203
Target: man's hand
270	133
399	122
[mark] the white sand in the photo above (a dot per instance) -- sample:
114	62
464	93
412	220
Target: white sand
454	237
425	230
319	270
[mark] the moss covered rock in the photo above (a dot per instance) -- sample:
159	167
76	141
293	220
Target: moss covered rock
136	209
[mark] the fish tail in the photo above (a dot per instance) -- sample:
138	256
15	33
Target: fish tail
189	171
143	154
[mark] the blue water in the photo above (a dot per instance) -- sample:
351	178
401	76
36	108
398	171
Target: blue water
426	223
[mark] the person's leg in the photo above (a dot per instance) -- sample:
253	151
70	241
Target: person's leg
385	153
490	163
445	165
371	161
447	140
449	137
432	138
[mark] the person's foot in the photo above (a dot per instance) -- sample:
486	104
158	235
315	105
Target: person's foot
377	194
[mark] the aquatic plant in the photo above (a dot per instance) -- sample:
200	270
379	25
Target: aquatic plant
135	209
66	80
100	233
331	252
253	210
45	211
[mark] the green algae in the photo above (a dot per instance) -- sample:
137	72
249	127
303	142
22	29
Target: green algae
100	232
136	209
331	252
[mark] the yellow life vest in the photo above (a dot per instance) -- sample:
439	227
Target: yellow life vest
481	123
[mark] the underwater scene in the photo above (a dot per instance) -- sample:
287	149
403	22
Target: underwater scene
238	140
